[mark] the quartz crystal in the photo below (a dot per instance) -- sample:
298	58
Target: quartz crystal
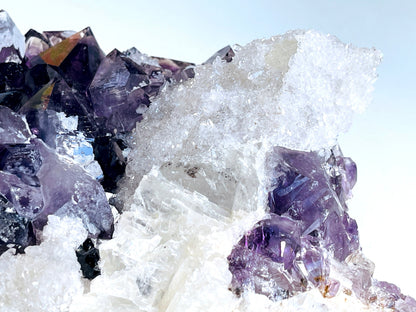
228	190
12	43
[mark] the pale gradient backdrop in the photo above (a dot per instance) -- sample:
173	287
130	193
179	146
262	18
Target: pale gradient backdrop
381	141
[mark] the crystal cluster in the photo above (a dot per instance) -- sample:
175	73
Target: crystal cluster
66	111
230	189
308	223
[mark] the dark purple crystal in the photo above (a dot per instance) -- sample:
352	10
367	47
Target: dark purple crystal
118	92
13	128
15	230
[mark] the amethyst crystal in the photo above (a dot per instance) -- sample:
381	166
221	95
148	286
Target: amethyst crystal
77	195
76	58
121	89
13	128
225	54
288	252
12	46
39	183
176	70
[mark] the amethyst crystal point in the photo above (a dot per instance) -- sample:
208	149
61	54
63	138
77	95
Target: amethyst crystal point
38	183
55	37
177	70
225	54
12	42
76	58
121	89
36	43
13	128
264	259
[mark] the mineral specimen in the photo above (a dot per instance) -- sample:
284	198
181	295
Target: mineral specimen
235	193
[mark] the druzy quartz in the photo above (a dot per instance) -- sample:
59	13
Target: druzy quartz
230	189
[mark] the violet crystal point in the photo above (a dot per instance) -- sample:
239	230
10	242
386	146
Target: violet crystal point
226	54
14	129
115	94
12	42
76	58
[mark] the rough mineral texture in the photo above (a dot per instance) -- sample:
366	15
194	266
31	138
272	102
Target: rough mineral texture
229	189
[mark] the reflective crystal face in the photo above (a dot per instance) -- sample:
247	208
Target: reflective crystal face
308	222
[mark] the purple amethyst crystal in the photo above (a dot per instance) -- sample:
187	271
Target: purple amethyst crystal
176	70
11	40
264	259
225	54
76	58
288	252
78	194
121	89
39	183
304	190
13	129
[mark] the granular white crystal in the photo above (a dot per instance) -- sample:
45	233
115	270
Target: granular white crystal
47	277
298	90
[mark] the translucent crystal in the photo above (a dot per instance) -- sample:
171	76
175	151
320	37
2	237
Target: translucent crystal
13	127
12	42
46	277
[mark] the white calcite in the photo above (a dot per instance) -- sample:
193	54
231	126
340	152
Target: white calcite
47	277
298	90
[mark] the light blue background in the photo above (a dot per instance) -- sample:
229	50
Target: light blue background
381	141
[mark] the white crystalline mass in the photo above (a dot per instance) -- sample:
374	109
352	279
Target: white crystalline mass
47	277
298	90
10	35
200	175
